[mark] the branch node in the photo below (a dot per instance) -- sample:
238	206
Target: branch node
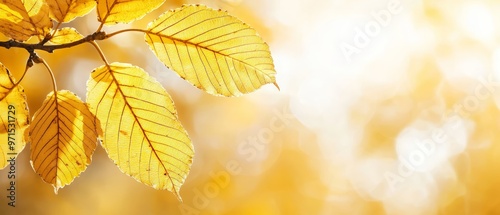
46	39
29	63
101	35
36	58
9	44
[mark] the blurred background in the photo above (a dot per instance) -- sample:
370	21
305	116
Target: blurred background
386	107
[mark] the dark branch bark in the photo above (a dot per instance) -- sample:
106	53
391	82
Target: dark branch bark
50	48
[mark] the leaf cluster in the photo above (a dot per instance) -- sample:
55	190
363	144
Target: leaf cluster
126	110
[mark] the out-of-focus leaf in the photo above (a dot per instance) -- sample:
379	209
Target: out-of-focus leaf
212	50
64	137
67	10
112	12
14	117
66	35
21	19
142	133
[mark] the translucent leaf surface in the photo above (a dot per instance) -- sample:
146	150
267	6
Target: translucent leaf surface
66	35
212	50
14	117
64	137
112	12
21	19
142	133
67	10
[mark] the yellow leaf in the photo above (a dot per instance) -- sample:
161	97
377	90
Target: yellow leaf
66	35
21	19
67	10
212	50
112	12
64	137
14	118
142	133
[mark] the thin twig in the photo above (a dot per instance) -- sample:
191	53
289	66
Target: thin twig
50	48
100	35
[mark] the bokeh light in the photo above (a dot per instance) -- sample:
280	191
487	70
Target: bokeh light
385	107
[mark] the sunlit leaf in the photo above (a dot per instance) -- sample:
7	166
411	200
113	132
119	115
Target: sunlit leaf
14	117
64	137
67	10
66	35
142	133
21	19
112	12
212	50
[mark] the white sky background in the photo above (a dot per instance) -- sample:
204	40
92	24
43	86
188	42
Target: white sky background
325	86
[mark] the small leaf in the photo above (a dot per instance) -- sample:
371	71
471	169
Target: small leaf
112	12
66	35
21	19
142	133
68	10
212	50
64	137
14	118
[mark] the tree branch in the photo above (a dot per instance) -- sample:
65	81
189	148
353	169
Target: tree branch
50	48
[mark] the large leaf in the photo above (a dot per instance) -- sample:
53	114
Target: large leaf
67	10
212	50
21	19
112	12
14	117
64	137
142	133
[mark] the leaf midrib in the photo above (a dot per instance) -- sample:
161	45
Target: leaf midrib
115	81
208	49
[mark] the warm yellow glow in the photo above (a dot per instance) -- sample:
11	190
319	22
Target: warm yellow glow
385	107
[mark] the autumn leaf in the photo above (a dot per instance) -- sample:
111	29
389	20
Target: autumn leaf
142	133
112	12
21	19
212	50
68	10
14	117
64	137
65	35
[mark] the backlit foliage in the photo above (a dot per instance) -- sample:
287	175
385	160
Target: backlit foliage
126	109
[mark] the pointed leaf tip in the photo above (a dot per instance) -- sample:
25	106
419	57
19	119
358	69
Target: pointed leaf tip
63	139
276	85
142	132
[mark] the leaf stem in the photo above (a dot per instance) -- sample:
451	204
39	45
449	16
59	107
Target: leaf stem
29	64
96	46
37	59
55	29
100	27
